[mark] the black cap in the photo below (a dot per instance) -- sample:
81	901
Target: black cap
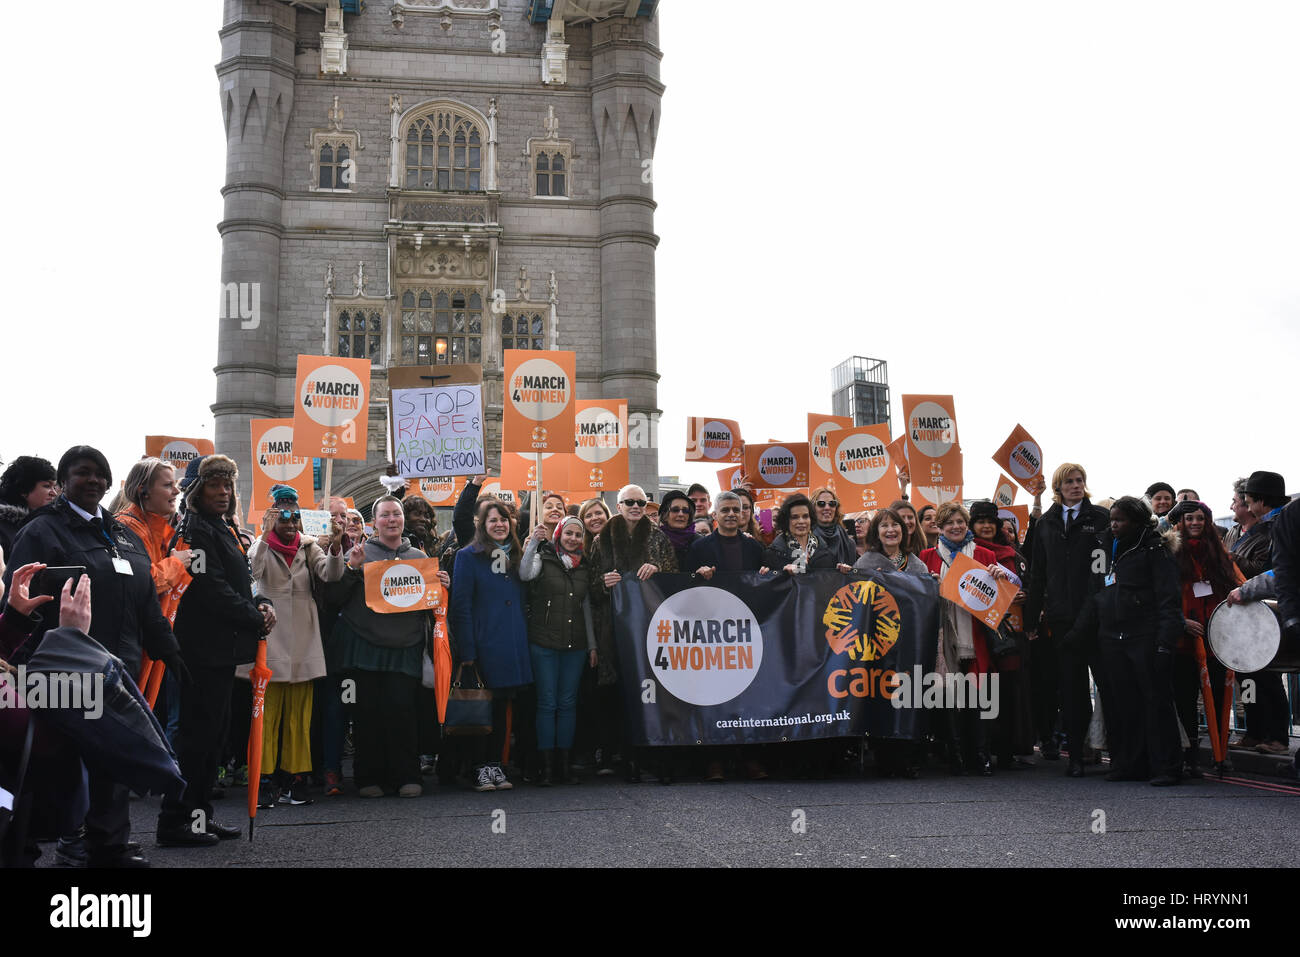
1161	487
983	511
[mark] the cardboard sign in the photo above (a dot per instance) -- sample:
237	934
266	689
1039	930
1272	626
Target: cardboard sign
897	450
437	430
601	460
729	478
179	452
819	450
519	470
713	440
923	495
1018	514
440	492
1005	494
777	464
865	476
399	586
494	488
933	453
331	407
1022	457
540	401
274	463
971	586
774	498
315	522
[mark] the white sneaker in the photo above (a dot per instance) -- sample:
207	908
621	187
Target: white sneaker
499	779
486	781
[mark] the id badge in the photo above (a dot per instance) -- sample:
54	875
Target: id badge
1110	579
1201	590
122	566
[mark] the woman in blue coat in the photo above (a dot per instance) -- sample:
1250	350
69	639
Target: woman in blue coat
489	628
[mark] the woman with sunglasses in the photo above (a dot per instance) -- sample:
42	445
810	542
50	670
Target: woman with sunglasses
675	521
284	562
829	528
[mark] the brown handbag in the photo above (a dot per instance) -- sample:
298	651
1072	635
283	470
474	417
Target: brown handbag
469	707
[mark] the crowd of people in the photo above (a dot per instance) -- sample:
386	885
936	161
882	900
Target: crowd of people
1115	595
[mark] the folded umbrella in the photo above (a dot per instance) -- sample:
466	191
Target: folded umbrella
261	677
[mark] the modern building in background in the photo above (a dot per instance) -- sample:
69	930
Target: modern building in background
433	182
860	388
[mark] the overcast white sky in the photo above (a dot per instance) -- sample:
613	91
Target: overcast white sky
1079	216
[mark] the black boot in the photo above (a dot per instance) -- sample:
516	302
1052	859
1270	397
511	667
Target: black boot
564	768
956	757
979	734
547	776
1191	762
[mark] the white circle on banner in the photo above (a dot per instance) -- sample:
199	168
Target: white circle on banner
861	459
704	645
437	491
540	390
1026	460
978	589
716	440
401	585
274	455
599	435
820	446
180	452
1008	514
776	466
1006	494
332	395
931	429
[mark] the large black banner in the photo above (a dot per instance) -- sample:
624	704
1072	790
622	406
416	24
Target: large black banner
749	658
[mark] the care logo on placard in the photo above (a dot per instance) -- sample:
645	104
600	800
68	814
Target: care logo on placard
777	466
861	459
540	390
540	435
180	452
599	435
1026	460
862	618
716	440
332	395
704	645
402	585
275	454
931	430
596	477
978	589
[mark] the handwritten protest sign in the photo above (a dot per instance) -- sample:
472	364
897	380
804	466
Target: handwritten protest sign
438	431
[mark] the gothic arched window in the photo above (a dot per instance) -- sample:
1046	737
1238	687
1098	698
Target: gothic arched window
444	151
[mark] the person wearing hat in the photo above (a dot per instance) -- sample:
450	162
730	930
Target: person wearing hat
676	521
218	625
1161	496
1267	719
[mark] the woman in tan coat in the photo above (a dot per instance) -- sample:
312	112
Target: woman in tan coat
284	561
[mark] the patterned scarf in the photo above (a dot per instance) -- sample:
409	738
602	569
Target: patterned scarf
571	560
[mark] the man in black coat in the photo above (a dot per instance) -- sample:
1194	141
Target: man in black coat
725	549
218	625
1286	579
1064	560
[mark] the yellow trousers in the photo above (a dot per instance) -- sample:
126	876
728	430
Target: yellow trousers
287	719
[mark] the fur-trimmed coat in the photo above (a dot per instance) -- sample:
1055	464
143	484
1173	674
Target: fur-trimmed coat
11	519
1144	602
616	549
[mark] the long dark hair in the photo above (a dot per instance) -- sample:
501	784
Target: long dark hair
483	543
1217	566
783	516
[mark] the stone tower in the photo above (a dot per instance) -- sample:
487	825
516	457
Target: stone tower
433	181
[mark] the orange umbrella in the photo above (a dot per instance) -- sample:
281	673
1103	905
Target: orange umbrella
154	672
261	677
441	663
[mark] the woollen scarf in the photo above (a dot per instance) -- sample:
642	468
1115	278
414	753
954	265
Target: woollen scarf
571	560
679	537
285	551
956	642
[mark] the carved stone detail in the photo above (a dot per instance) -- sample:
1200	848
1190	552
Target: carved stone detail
442	213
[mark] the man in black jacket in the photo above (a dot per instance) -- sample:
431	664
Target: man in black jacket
725	549
1064	560
218	625
1286	579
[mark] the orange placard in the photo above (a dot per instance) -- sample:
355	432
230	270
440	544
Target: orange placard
331	407
971	586
540	401
729	478
178	451
1021	456
601	458
933	453
777	464
495	489
713	440
274	463
519	470
774	498
865	476
819	450
403	585
1005	494
897	450
1018	514
923	495
439	492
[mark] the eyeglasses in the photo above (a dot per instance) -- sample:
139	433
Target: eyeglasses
289	513
634	502
683	510
831	504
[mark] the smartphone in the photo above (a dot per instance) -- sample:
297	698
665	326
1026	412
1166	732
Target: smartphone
49	581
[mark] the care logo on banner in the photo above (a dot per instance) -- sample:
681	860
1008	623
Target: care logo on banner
973	587
332	397
274	463
862	618
777	464
539	409
863	467
397	586
717	440
179	452
705	645
1022	457
819	443
438	492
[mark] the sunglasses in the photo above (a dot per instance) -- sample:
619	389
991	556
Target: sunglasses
684	510
831	504
634	502
290	513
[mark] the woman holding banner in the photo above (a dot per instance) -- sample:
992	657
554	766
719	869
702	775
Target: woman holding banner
796	549
962	645
490	632
284	562
831	534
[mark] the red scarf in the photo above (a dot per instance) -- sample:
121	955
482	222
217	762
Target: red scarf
284	551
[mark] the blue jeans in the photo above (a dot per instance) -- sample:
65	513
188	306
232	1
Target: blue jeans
556	675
